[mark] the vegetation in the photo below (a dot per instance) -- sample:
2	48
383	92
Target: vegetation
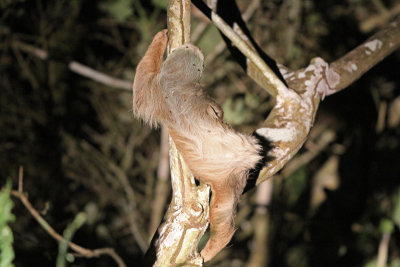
6	235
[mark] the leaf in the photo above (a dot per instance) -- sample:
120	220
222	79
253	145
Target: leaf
396	208
6	236
238	109
120	10
386	226
371	263
209	40
234	111
69	232
160	4
395	263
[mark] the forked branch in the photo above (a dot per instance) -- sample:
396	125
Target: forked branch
289	122
175	242
81	251
286	128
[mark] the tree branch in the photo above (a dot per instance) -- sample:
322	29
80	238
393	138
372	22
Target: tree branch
289	122
380	19
358	61
187	217
162	189
97	76
78	68
256	67
286	128
83	252
259	255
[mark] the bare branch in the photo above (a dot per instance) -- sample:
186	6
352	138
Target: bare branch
162	186
274	85
98	76
83	252
37	52
20	179
78	68
358	61
251	8
187	217
289	123
379	20
129	209
383	250
261	224
256	66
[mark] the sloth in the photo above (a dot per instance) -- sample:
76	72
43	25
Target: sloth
169	93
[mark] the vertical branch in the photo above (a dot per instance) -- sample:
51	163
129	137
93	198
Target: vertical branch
259	252
162	185
178	22
383	250
187	217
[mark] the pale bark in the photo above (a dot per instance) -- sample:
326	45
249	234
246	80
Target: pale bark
286	128
362	58
290	121
187	217
162	186
259	256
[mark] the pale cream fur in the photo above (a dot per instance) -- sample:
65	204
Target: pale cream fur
170	93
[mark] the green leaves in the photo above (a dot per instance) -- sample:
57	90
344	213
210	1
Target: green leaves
239	109
69	232
396	207
6	235
386	226
160	4
120	10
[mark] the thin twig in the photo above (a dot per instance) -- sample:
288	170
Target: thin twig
130	208
220	47
20	179
162	185
269	80
383	250
25	67
30	49
98	76
261	225
379	20
78	68
202	26
277	86
380	123
83	252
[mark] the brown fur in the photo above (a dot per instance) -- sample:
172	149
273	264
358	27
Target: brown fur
170	93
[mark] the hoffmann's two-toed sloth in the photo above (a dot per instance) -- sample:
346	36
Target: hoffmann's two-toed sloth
169	93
